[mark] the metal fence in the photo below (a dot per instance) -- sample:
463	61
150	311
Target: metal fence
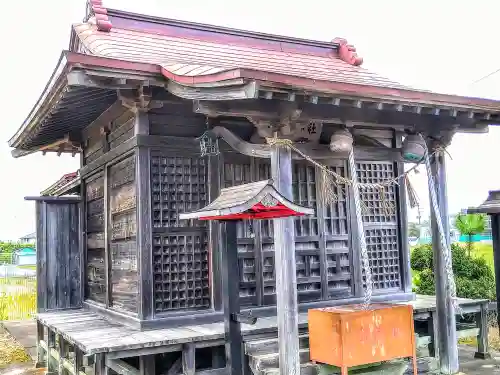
17	292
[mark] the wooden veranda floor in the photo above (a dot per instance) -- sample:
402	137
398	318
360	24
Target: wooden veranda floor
93	334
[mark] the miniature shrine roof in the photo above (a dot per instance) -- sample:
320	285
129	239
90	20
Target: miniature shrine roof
256	200
181	56
490	206
67	184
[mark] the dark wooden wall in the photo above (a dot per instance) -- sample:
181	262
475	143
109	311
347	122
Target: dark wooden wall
58	253
110	249
116	131
182	270
95	272
122	241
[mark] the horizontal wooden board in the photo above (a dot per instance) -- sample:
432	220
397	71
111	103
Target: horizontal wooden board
123	199
123	226
96	280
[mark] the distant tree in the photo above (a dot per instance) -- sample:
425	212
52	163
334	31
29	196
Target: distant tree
470	225
413	230
7	250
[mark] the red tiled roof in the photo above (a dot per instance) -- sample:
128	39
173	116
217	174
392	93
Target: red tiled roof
182	57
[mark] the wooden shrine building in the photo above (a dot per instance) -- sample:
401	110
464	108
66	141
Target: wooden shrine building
132	95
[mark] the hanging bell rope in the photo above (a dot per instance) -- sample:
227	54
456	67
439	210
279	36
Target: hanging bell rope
365	259
332	181
445	245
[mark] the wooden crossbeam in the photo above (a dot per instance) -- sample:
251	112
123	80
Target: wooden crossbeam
121	367
357	111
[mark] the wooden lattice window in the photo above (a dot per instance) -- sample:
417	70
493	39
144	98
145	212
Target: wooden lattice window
180	247
237	174
181	271
95	285
123	230
383	251
375	172
381	226
307	239
322	261
178	185
338	260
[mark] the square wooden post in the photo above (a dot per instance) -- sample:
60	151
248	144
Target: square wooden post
231	298
259	200
286	275
495	232
447	345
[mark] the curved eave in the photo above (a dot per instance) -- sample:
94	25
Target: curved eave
265	81
65	107
51	91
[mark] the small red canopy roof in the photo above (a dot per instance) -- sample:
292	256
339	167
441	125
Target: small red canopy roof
256	200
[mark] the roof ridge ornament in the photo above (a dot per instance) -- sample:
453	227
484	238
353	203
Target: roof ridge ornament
96	10
347	52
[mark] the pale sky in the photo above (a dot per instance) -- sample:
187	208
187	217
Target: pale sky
442	46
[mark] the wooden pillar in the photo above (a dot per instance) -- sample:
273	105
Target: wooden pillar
482	337
42	355
144	220
147	365
52	366
285	267
495	232
63	353
231	298
447	345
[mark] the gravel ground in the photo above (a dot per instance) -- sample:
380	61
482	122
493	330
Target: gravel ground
11	352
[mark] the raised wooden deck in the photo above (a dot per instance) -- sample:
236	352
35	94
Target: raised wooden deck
94	334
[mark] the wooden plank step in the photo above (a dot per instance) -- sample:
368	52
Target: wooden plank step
259	363
271	345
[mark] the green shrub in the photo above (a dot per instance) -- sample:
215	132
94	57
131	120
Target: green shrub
421	257
426	282
483	287
473	277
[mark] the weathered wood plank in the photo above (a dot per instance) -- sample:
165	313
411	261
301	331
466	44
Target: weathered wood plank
41	269
113	154
176	367
122	367
482	336
446	319
144	224
41	351
188	359
74	251
147	365
286	274
53	229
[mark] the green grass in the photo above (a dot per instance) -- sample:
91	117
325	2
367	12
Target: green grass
484	250
17	298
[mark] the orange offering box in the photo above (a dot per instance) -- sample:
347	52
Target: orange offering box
354	335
